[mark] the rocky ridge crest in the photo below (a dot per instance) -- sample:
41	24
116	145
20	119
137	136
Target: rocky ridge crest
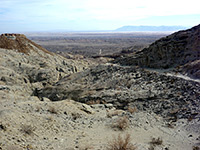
20	43
174	50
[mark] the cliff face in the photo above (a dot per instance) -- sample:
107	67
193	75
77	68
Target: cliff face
174	50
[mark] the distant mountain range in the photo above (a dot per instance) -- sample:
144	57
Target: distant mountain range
151	28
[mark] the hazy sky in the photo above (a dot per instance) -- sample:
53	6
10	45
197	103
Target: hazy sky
47	15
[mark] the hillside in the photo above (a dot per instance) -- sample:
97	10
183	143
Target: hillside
128	86
26	64
48	102
20	43
171	51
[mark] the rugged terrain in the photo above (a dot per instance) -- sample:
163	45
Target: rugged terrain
174	50
51	102
27	65
129	86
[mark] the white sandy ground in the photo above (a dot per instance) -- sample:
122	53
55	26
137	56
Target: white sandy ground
178	75
77	126
183	77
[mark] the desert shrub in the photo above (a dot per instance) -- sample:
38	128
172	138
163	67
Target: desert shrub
157	141
110	114
120	143
190	118
151	147
76	116
92	102
3	127
53	110
132	109
29	147
195	148
122	123
27	129
170	125
50	118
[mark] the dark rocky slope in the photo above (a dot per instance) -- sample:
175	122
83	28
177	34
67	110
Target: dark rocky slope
191	69
174	50
129	86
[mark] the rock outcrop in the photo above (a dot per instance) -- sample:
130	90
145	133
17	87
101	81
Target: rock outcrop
171	51
129	86
191	69
20	43
29	66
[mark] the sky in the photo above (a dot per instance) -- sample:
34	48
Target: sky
85	15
